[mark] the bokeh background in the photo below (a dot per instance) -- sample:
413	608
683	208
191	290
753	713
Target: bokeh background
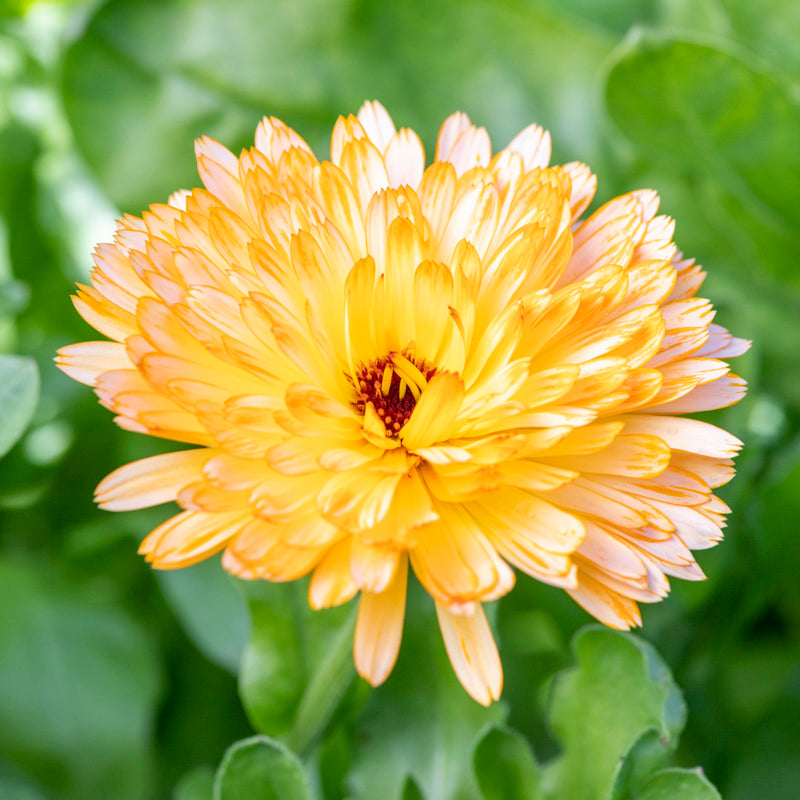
116	681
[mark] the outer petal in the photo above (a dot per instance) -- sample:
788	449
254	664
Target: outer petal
190	537
151	481
331	583
456	563
473	653
610	607
87	361
379	628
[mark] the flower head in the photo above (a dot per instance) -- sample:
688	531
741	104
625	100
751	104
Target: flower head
383	364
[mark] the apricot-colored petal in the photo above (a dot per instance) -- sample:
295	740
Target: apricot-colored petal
379	628
473	653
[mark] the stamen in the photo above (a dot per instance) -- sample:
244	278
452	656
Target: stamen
387	380
409	370
415	390
458	321
387	390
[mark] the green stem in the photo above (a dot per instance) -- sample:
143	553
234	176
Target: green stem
325	689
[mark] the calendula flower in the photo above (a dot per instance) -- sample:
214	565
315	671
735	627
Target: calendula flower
383	364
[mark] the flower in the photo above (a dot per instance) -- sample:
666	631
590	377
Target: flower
382	363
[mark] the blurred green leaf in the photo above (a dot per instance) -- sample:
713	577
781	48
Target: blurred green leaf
11	8
619	690
19	392
614	15
411	790
334	762
298	663
14	296
678	784
711	111
505	767
535	647
271	674
689	15
768	28
772	768
78	685
261	769
211	609
195	785
755	679
12	789
776	507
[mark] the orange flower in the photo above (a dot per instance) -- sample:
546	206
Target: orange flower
383	364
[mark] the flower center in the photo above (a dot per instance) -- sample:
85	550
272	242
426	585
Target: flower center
392	385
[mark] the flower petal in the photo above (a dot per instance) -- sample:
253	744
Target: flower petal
331	582
151	481
191	536
379	628
432	418
473	653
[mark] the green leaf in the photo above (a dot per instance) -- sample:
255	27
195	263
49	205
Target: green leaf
712	111
535	647
211	609
615	15
678	784
14	296
619	691
411	790
297	664
12	789
78	686
334	762
768	28
19	393
260	768
420	723
771	770
271	674
505	767
647	755
198	784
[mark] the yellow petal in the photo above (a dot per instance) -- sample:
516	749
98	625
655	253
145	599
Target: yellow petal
379	628
610	607
87	361
636	456
358	499
690	435
372	567
407	517
473	653
377	124
151	481
534	145
434	413
455	561
191	536
331	582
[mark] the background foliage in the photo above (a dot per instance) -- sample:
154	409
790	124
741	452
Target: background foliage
119	682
